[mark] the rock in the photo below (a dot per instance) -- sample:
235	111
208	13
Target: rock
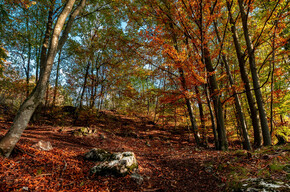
138	178
118	164
83	131
42	145
147	143
263	185
98	155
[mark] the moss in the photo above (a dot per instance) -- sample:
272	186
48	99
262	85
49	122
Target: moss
241	153
276	167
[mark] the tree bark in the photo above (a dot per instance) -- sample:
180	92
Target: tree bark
240	114
184	87
272	84
213	124
222	138
56	79
26	110
255	77
201	116
246	81
85	84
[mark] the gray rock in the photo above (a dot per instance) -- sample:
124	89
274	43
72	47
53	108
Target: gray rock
138	178
263	185
98	155
118	164
43	145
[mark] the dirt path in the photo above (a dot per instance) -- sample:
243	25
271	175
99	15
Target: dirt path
167	161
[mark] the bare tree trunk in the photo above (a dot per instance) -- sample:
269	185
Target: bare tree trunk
255	77
184	87
240	114
56	79
222	137
201	116
272	83
8	142
216	141
246	81
28	67
85	84
47	95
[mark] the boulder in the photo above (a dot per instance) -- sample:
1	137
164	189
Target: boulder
118	164
42	145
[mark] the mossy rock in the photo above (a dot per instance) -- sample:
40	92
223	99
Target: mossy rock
259	184
98	155
241	153
118	164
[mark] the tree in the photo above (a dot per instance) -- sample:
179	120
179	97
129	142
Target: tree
8	142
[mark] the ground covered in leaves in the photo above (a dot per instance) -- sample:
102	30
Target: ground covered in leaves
168	159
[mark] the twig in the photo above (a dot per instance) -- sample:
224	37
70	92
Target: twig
46	174
64	168
155	189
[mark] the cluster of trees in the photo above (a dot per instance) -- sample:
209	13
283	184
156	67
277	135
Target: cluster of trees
223	63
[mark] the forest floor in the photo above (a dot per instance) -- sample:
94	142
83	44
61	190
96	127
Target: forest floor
168	160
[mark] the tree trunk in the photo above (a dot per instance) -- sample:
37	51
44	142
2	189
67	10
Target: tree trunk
28	67
184	87
26	110
216	101
272	83
201	116
85	84
216	141
240	114
246	81
256	82
56	79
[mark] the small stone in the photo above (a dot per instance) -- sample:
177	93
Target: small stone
102	136
138	178
42	145
25	188
148	144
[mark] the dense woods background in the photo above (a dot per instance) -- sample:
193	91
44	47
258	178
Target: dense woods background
220	67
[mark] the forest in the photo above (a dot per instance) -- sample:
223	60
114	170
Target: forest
144	95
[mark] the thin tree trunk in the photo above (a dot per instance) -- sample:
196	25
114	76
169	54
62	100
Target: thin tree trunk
184	87
246	81
201	116
255	77
8	142
47	95
216	141
56	79
272	83
240	114
223	143
29	57
85	84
